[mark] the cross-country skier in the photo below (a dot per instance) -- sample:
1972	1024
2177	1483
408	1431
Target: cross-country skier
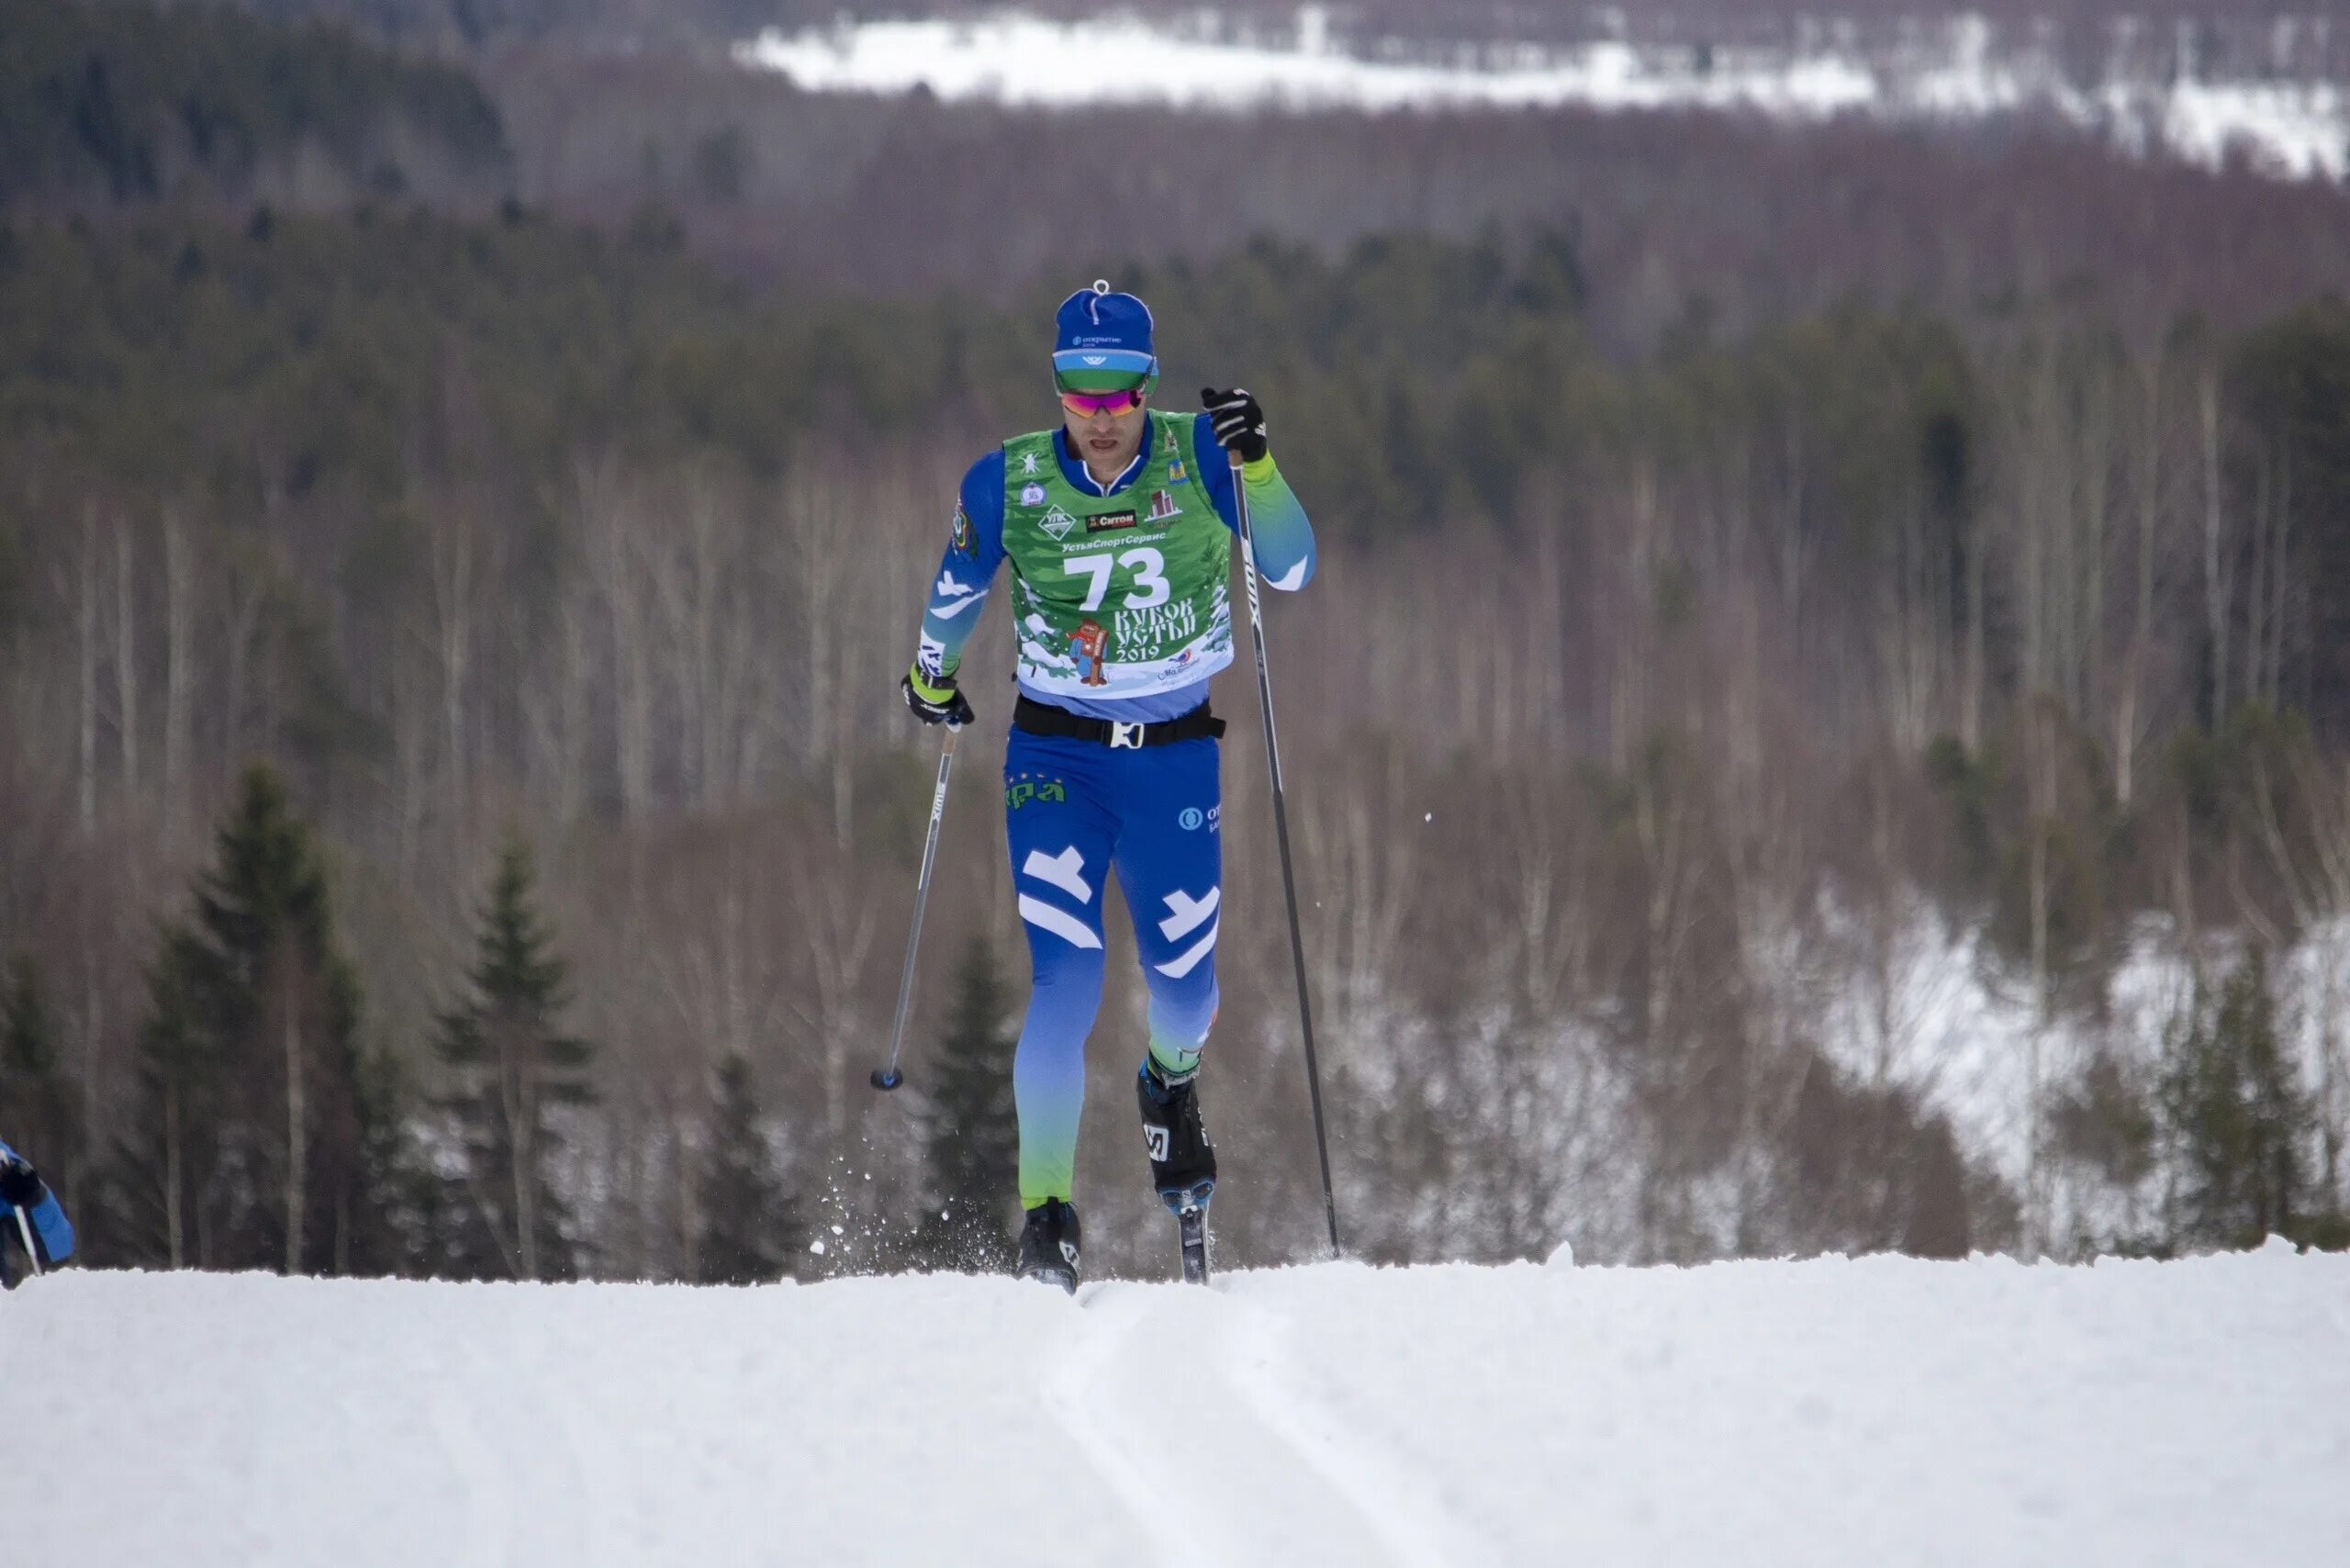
1119	527
23	1192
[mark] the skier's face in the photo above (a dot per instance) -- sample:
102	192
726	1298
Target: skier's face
1107	442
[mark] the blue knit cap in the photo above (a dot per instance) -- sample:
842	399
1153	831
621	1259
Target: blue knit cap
1101	343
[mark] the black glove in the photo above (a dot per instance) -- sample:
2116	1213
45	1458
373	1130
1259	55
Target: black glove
954	711
1238	420
20	1185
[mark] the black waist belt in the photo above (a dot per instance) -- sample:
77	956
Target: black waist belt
1044	719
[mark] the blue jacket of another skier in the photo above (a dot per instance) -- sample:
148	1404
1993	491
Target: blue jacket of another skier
51	1230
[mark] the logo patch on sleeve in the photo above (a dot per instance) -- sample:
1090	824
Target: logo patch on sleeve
1102	522
958	536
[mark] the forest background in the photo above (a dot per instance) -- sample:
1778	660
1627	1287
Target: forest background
1821	723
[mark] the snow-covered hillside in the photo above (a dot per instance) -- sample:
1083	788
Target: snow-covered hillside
1954	70
1828	1411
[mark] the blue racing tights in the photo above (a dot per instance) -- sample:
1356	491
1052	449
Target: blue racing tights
1073	811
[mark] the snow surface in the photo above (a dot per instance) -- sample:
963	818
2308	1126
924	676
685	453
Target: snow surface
1865	1412
2298	128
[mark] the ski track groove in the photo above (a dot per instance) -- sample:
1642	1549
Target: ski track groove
1411	1527
1109	1320
1201	1422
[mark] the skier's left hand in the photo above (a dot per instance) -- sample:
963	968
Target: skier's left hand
1238	420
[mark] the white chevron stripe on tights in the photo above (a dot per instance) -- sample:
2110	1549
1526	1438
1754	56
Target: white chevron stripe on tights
1185	913
1184	962
1060	922
1065	871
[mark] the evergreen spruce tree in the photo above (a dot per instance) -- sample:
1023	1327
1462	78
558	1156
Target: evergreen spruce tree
255	1142
36	1102
2236	1119
509	1063
972	1129
751	1230
162	1165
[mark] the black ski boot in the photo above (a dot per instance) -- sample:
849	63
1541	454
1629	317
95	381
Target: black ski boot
1048	1244
1183	1161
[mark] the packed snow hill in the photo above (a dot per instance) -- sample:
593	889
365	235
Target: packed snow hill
1869	1412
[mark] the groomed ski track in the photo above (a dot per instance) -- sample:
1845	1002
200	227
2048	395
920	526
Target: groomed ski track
1818	1413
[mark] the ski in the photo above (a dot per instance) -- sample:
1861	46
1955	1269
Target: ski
1192	1225
1191	1212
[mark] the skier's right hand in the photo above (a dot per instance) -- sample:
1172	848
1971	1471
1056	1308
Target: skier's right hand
934	704
20	1185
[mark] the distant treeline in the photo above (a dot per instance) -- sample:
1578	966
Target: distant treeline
122	101
1423	384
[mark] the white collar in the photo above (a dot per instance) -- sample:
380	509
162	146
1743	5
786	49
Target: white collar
1073	467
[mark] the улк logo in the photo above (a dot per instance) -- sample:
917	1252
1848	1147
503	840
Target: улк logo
1102	522
1058	524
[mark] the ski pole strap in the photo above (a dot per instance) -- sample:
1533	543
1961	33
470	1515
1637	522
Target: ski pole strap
1042	719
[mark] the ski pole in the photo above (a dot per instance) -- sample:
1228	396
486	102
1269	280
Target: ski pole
887	1078
1280	830
25	1230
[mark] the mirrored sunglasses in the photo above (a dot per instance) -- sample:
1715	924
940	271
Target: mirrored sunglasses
1085	405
